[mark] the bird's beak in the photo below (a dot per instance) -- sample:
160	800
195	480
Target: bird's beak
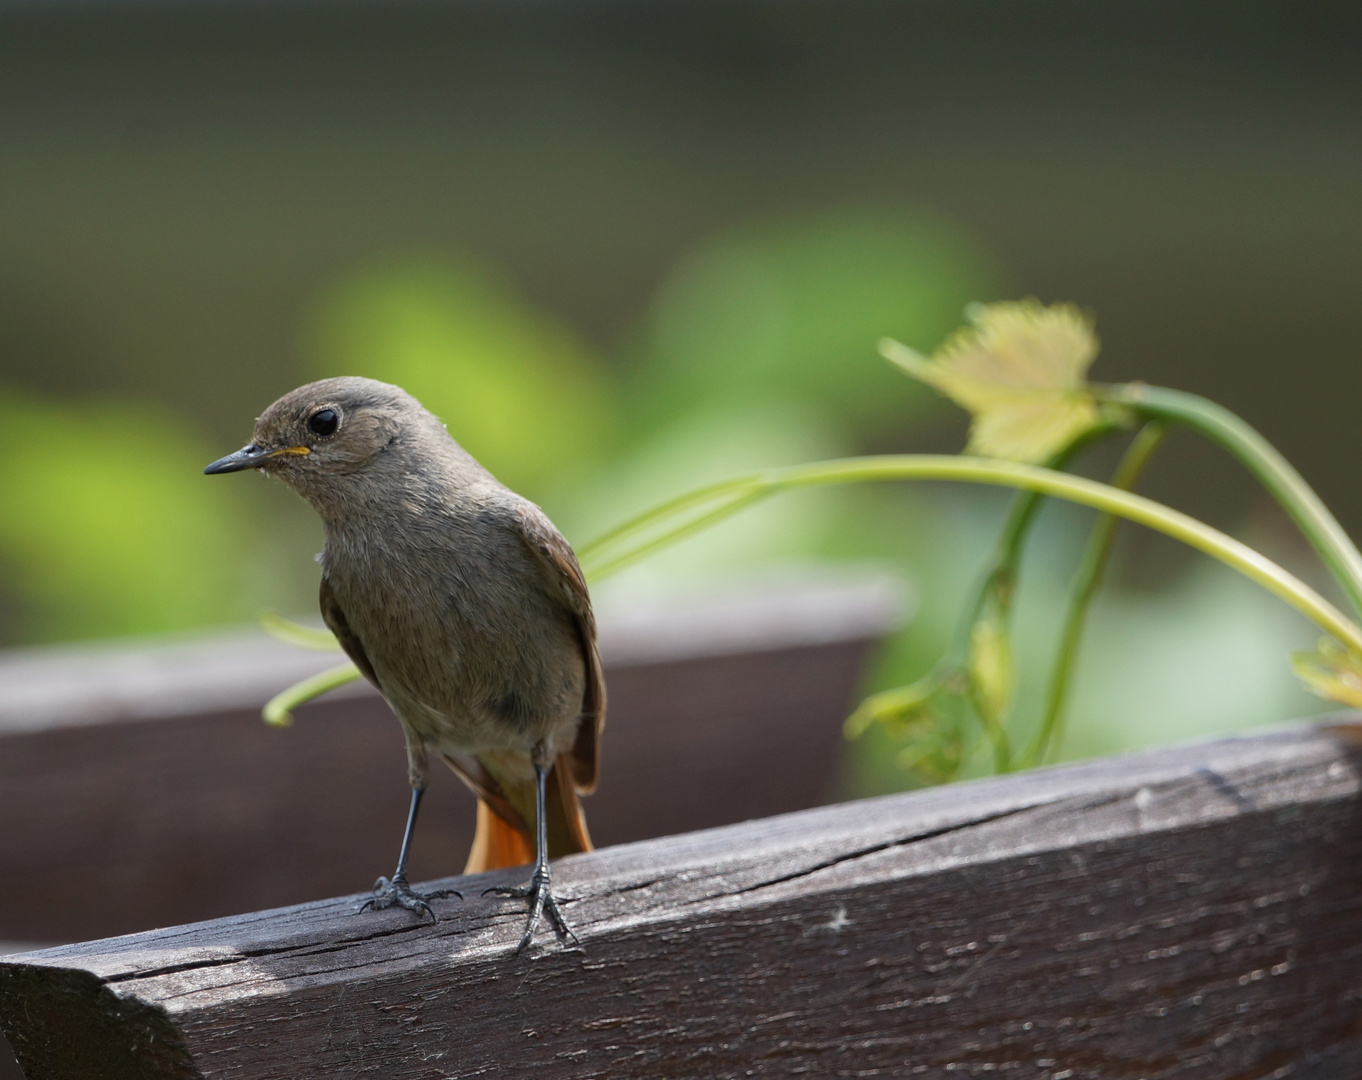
250	457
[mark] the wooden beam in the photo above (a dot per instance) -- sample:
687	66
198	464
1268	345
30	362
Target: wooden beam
1187	912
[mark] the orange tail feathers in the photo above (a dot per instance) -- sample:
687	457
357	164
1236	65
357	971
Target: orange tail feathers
499	843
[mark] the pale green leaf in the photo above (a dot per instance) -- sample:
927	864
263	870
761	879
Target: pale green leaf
1020	371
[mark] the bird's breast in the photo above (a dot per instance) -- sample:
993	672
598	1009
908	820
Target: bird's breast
467	645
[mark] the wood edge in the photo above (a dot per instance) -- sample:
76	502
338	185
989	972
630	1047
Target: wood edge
76	1026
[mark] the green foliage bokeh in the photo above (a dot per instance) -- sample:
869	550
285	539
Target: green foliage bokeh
108	527
519	390
788	308
757	349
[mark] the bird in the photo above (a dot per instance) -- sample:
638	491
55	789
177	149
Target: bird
467	609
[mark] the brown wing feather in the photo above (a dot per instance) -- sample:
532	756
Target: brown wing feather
557	557
567	823
336	622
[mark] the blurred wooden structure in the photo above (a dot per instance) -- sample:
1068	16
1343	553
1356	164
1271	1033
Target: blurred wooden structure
1187	912
140	788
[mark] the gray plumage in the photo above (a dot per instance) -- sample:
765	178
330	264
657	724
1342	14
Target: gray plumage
456	597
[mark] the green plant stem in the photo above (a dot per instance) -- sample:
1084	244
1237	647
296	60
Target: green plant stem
292	633
278	711
736	500
1266	464
1002	573
971	470
998	585
661	511
1008	551
1089	576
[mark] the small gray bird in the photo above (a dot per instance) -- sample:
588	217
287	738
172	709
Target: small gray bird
462	603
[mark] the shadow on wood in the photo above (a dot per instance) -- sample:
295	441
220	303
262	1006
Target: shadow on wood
1187	912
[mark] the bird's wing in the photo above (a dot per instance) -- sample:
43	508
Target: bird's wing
560	565
336	622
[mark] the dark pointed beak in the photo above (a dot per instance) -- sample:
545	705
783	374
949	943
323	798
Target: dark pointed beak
248	457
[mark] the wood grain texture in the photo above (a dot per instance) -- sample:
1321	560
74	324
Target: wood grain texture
143	789
1187	912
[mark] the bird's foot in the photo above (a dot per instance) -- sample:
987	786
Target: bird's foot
397	893
539	893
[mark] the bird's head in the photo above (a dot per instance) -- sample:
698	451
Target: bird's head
315	437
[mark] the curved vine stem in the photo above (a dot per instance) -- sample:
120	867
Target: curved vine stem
278	711
1086	580
1263	460
743	491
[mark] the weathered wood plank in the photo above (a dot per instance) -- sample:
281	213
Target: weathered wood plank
9	1068
1188	912
143	790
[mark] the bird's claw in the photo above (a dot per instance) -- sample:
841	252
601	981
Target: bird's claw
542	901
397	893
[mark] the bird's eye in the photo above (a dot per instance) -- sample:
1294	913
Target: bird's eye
324	422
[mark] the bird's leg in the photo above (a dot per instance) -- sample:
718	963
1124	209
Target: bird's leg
539	891
395	891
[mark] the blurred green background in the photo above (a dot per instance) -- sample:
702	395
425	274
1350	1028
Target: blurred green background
623	249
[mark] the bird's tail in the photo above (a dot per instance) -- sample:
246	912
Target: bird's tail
501	842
